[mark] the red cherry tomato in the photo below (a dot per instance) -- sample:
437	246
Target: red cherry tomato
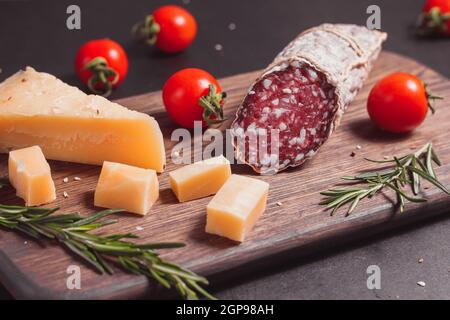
398	102
177	28
171	28
182	93
436	16
113	63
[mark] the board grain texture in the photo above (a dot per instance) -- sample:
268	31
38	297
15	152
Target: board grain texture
31	270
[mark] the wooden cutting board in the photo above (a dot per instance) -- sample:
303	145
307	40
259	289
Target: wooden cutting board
32	270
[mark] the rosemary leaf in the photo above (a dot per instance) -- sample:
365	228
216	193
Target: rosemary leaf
27	231
429	164
121	236
431	179
130	265
400	198
83	254
161	245
12	209
435	157
173	271
404	195
415	178
165	283
108	268
95	217
201	290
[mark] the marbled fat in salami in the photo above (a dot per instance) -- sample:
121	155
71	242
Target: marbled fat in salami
302	95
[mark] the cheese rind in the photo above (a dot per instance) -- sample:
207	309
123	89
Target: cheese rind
30	175
235	208
38	109
200	179
130	188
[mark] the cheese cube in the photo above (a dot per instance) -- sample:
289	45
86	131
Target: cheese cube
235	208
121	186
38	109
30	174
200	179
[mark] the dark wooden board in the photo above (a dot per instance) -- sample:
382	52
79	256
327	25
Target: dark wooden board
32	270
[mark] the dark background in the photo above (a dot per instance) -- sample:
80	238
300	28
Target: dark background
34	33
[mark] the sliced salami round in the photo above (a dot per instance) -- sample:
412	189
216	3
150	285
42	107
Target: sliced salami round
295	105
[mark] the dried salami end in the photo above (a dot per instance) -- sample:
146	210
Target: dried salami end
298	105
292	109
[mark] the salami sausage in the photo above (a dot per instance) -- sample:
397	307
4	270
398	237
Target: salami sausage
298	101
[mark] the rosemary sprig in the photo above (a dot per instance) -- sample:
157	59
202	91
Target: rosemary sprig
103	251
404	171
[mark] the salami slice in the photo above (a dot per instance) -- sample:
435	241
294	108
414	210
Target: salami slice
298	101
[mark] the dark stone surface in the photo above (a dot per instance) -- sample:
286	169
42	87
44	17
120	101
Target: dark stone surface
34	33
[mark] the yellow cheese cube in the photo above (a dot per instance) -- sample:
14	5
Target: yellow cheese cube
121	186
30	174
38	109
200	179
235	208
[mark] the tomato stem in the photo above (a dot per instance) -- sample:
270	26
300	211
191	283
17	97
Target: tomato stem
434	21
431	98
147	30
212	104
101	76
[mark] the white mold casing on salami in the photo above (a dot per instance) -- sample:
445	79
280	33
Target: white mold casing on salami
302	95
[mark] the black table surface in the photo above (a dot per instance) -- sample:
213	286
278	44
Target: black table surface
34	33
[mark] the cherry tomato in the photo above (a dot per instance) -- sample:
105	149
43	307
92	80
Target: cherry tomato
101	59
193	95
398	102
436	16
171	28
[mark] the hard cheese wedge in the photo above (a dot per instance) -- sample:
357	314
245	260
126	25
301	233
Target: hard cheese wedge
38	109
235	208
30	174
121	186
200	179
